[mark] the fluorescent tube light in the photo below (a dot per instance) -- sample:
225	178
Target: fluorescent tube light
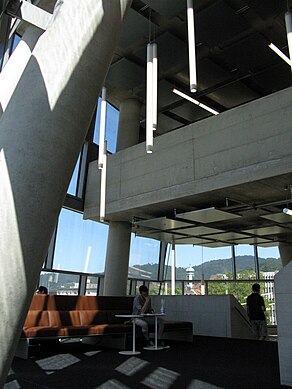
103	184
204	106
287	211
280	53
192	46
151	95
102	128
288	22
154	85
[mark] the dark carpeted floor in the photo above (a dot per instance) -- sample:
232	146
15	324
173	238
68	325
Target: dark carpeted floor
208	363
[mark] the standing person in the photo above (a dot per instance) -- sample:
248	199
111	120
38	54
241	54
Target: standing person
256	313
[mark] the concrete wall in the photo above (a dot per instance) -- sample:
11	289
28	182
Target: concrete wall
252	141
210	315
283	296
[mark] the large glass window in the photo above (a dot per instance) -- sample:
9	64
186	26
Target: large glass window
73	183
144	257
60	283
269	261
192	261
112	119
16	40
245	262
91	286
80	244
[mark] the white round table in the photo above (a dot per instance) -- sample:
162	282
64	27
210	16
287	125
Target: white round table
155	315
133	351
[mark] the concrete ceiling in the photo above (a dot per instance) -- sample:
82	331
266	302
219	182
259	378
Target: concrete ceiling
234	63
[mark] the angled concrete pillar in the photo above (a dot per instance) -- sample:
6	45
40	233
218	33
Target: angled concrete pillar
119	235
16	65
129	124
117	259
41	133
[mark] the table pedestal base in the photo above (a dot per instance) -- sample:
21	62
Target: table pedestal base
153	348
129	352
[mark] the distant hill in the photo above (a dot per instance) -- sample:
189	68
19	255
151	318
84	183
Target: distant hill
218	266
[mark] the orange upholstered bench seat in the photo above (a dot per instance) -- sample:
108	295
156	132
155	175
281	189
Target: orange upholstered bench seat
59	316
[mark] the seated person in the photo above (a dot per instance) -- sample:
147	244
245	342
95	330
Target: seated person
41	290
142	305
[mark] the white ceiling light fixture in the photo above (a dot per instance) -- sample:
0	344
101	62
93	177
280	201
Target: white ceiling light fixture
280	53
287	211
288	22
102	129
154	84
192	46
151	95
196	102
103	185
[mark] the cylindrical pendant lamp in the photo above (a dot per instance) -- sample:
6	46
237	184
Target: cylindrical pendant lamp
288	22
192	46
149	100
103	184
154	85
173	268
102	128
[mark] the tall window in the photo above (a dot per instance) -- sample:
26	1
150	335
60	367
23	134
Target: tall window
269	261
74	180
80	244
144	257
213	262
245	262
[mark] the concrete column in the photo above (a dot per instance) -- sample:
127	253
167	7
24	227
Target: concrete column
117	259
285	251
119	235
129	124
41	134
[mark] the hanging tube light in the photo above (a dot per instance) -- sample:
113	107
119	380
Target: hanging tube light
151	95
173	267
102	128
154	85
288	22
192	46
103	184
